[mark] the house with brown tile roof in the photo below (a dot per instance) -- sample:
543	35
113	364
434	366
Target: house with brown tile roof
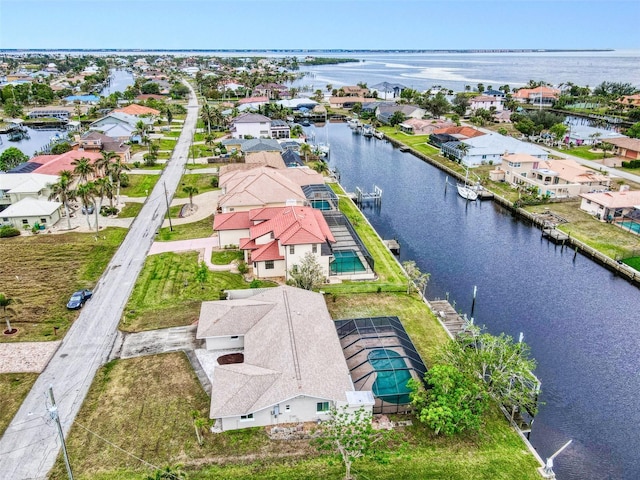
292	367
628	148
267	159
611	206
353	91
537	96
138	110
54	164
418	126
630	100
349	102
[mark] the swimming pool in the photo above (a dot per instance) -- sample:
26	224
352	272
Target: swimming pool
346	261
321	204
631	226
392	375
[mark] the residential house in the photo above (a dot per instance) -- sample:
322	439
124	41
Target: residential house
282	236
587	135
627	148
292	159
353	91
254	101
273	91
280	129
556	178
138	110
28	212
486	102
537	96
54	164
630	100
489	149
417	126
63	113
17	186
266	159
94	141
291	366
252	145
611	206
385	111
251	125
119	118
349	102
386	88
444	135
495	93
297	103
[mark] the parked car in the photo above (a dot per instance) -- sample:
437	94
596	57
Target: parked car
87	210
78	299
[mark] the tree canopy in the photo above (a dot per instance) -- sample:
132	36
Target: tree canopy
11	157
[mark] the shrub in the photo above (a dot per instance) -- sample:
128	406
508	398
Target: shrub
124	180
255	283
214	182
243	267
106	210
8	231
136	164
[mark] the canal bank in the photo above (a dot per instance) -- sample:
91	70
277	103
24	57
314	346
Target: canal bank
575	315
613	265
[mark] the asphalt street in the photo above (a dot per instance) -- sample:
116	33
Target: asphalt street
30	445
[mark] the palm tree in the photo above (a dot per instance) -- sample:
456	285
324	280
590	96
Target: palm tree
115	171
104	188
464	149
85	192
594	138
191	191
83	168
4	304
605	147
63	192
207	116
141	129
305	149
102	164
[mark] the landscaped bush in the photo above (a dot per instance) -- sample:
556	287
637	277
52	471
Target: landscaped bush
105	211
214	182
8	231
631	164
124	180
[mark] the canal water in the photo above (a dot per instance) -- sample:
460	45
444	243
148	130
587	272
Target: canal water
120	80
580	320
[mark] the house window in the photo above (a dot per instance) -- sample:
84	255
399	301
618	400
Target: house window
322	407
588	202
271	235
268	264
25	221
43	220
292	249
233	337
287	408
5	219
314	248
246	418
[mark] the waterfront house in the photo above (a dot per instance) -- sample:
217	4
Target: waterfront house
556	178
630	100
119	118
385	111
386	88
266	159
417	126
251	145
54	164
280	237
486	102
349	102
62	113
627	148
288	365
94	141
495	93
273	91
587	135
250	125
611	206
537	96
489	149
138	110
280	129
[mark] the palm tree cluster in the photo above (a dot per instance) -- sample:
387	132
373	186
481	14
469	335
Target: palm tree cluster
90	183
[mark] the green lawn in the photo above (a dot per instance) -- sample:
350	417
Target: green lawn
14	387
605	237
225	257
585	152
202	181
167	144
187	231
167	293
44	270
144	406
140	185
173	134
130	210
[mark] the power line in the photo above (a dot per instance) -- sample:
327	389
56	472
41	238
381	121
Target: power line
123	450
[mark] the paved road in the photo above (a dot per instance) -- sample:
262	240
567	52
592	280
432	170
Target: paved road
29	446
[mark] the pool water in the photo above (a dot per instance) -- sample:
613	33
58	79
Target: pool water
321	204
392	375
631	226
346	261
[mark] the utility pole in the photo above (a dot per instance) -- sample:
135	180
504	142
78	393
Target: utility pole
53	411
166	199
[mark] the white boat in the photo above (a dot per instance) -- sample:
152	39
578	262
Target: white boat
322	149
354	123
367	130
378	134
466	191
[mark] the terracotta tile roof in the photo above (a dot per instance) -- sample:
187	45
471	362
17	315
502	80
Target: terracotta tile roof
253	100
231	221
268	251
268	159
468	132
54	164
614	199
135	109
544	91
295	226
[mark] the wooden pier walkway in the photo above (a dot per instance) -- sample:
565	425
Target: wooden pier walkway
452	321
554	235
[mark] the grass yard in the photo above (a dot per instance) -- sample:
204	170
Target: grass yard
44	270
187	231
225	257
389	272
144	406
13	389
130	210
607	238
202	181
167	143
139	185
167	293
585	152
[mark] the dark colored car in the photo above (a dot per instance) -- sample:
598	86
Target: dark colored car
78	298
87	210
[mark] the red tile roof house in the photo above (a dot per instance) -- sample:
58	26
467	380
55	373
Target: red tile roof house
54	164
537	96
278	238
611	206
137	110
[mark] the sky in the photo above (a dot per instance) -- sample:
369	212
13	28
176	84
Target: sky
313	24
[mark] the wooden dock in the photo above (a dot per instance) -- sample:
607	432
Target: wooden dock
393	245
554	235
452	321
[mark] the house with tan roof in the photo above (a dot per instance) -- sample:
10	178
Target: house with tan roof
486	102
138	110
417	126
353	91
94	141
557	178
628	148
611	206
267	159
537	96
54	164
349	102
630	100
288	365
